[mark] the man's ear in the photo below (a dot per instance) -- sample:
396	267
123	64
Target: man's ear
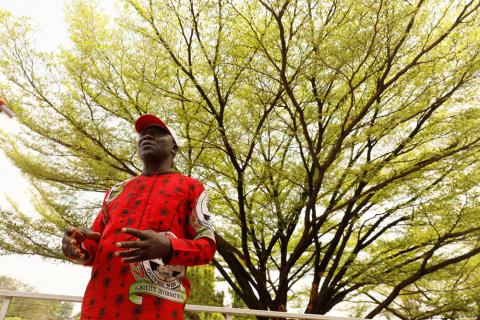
174	150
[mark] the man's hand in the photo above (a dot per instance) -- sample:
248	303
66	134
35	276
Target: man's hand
150	245
72	243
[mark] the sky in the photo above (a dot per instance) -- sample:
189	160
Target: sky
46	277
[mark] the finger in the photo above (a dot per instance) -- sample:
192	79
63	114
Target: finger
69	231
71	247
74	253
130	244
69	243
134	259
81	234
78	234
135	232
75	242
67	250
128	253
77	255
89	234
66	239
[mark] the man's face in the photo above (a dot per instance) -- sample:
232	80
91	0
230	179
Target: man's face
155	144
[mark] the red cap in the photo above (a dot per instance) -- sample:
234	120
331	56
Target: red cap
150	120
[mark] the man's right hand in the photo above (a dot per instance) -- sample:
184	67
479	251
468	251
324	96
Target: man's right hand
72	243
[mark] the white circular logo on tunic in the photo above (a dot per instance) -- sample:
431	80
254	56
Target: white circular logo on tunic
164	275
202	210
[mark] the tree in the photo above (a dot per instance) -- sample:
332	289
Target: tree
339	140
202	282
451	293
237	302
33	309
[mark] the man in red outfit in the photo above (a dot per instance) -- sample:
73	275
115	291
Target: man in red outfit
149	229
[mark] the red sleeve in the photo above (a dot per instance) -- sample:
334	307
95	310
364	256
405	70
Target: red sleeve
200	246
98	225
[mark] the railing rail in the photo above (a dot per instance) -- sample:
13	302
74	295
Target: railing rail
7	297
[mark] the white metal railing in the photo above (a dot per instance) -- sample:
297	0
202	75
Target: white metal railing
7	297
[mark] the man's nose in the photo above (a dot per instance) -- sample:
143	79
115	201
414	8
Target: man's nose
147	136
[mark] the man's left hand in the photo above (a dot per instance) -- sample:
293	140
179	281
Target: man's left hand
150	245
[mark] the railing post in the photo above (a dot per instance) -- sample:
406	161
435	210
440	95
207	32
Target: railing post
5	304
228	316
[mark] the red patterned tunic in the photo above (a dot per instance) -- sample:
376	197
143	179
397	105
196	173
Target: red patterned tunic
171	204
